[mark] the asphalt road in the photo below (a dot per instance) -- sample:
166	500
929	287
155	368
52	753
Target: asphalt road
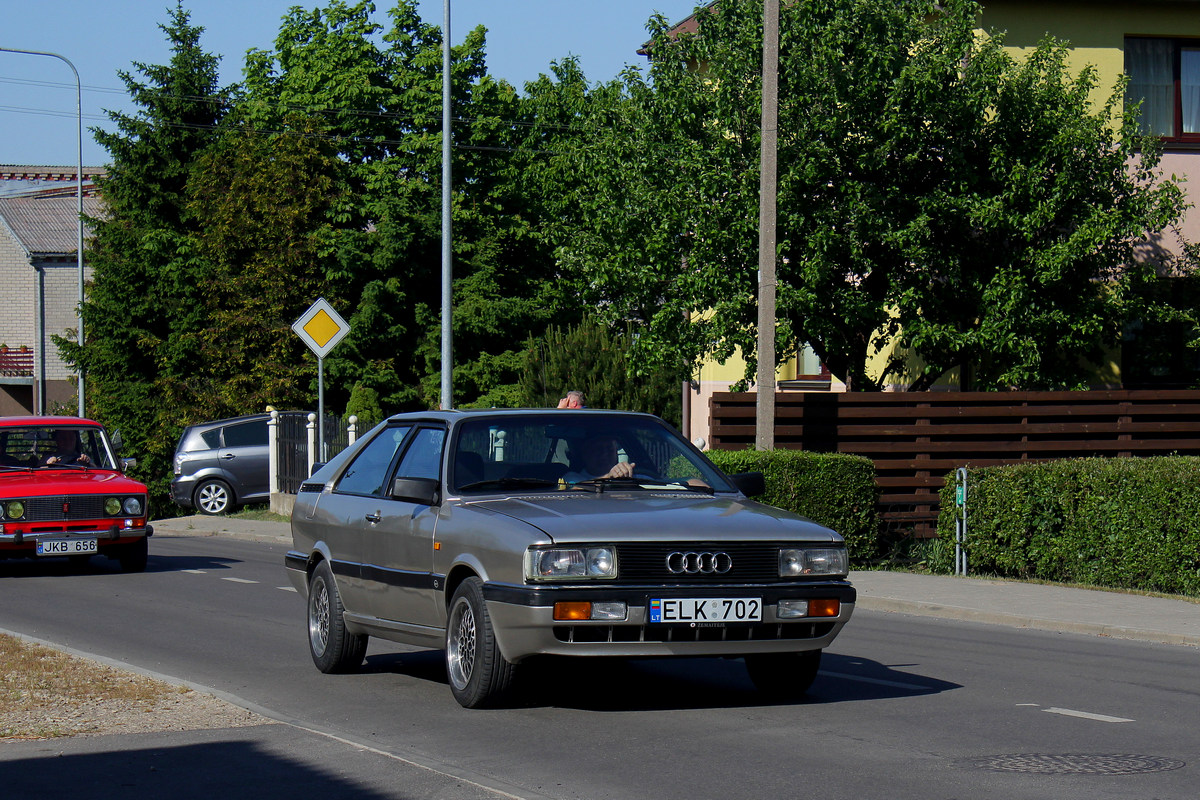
904	707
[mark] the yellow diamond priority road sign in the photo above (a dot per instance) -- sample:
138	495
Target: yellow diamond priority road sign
321	327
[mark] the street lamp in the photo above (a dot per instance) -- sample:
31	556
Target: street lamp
447	251
79	214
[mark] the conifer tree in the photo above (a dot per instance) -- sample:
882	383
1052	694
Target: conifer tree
147	283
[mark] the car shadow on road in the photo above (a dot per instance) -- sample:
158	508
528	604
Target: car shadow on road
616	684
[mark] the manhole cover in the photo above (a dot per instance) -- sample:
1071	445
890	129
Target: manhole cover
1078	763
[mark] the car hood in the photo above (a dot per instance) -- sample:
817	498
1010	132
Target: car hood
655	516
49	482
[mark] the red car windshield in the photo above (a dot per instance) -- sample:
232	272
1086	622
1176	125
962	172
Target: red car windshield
54	447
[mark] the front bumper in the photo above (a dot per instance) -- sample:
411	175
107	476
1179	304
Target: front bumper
524	624
106	535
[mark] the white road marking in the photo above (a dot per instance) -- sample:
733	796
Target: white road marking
194	571
238	580
286	588
1066	712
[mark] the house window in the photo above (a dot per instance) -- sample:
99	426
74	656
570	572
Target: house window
1164	74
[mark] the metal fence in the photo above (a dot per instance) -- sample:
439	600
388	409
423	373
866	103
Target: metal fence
292	431
298	445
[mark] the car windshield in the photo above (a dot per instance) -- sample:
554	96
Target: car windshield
53	447
577	451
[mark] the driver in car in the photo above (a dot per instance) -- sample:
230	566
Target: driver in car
68	449
597	457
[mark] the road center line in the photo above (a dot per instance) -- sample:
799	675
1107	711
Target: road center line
238	580
1066	712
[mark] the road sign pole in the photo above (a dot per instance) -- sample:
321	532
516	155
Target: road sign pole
321	409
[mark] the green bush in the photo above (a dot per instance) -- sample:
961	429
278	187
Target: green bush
1128	523
833	489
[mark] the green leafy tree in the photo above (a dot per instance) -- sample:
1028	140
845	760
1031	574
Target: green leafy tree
148	284
593	359
264	200
380	105
936	197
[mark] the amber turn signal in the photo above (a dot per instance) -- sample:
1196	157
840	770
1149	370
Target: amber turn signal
572	611
824	607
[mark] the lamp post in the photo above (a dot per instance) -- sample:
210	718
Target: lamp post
79	213
447	252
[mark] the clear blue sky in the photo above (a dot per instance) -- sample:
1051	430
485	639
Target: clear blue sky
37	94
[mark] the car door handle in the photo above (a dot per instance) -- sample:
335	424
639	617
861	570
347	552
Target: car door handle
373	518
228	456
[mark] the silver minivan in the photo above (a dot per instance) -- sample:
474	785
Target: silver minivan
222	465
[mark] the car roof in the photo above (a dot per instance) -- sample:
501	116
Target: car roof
460	414
7	422
216	423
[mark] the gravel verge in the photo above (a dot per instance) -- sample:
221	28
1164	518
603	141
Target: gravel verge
46	694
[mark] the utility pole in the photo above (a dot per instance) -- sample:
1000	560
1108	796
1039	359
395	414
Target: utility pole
764	438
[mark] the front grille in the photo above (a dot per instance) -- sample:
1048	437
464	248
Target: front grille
47	509
777	631
752	562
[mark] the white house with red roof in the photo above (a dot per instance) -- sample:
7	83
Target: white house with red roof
39	283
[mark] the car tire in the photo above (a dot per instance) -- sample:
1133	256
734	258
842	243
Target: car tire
133	557
214	497
334	649
479	674
784	676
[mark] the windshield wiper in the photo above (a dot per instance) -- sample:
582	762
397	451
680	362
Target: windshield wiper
16	468
599	485
507	483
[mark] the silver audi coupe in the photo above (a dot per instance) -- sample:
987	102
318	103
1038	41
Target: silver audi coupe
498	535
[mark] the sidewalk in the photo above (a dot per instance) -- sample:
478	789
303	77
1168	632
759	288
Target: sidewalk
1012	603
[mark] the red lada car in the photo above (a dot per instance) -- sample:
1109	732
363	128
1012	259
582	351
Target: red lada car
62	493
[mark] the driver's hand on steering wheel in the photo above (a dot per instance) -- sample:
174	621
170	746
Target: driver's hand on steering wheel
622	469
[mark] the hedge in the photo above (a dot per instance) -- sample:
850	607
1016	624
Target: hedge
833	489
1131	523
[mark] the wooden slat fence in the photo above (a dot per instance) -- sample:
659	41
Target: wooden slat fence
916	438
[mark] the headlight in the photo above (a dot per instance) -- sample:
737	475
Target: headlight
570	563
112	506
133	506
14	509
797	561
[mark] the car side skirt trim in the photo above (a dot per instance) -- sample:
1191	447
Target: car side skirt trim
419	635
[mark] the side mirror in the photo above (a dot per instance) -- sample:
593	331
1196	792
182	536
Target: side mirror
316	466
751	484
128	464
423	491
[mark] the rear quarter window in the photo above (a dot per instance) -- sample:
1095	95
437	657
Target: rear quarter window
246	434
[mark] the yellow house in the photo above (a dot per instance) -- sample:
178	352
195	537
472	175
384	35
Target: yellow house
1156	43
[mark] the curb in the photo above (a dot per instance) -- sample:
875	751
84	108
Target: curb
942	611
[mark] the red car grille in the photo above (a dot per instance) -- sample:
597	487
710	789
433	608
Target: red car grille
48	509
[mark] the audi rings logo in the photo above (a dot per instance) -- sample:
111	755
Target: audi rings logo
696	563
